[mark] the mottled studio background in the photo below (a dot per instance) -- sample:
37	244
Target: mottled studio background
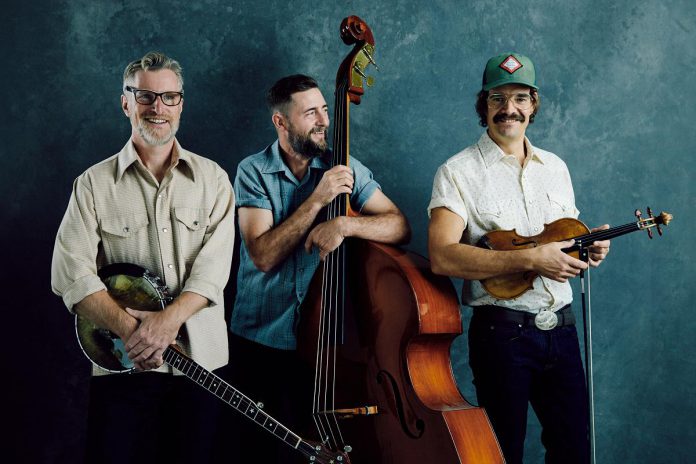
618	106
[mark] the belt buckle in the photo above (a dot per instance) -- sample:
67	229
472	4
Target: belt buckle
545	320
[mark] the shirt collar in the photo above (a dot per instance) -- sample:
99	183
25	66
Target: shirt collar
275	163
128	155
492	153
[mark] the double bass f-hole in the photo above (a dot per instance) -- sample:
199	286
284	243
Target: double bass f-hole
399	404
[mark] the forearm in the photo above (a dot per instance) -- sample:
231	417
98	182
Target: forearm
389	228
275	245
473	263
103	311
184	306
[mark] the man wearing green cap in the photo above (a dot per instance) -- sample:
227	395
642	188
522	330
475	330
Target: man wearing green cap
501	183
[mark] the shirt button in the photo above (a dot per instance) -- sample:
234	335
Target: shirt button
170	266
164	229
126	229
195	223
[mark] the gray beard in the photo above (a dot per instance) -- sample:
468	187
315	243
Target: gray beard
151	137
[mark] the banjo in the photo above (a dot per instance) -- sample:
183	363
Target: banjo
135	287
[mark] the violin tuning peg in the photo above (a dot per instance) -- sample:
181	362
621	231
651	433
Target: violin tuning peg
649	233
650	214
659	229
638	214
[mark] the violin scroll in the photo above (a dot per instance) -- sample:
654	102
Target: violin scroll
652	221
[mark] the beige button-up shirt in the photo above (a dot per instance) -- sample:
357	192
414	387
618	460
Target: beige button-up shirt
181	229
489	190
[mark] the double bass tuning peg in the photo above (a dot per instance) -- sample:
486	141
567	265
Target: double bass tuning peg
369	80
368	55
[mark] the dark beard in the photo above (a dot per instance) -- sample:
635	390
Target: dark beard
305	146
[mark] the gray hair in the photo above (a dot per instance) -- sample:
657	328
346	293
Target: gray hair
152	61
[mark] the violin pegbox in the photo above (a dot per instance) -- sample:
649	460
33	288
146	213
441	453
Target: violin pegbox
355	31
652	221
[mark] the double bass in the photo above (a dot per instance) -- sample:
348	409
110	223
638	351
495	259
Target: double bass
378	326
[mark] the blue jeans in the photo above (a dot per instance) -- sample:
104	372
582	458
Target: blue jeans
514	366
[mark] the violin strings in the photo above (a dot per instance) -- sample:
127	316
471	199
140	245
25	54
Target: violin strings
609	233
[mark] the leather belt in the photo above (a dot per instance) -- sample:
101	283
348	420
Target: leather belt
497	314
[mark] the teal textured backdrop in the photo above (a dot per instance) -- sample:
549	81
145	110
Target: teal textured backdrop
617	105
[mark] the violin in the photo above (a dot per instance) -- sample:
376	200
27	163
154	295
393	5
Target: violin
378	325
513	285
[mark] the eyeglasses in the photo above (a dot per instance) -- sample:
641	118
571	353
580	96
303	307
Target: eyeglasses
522	101
148	97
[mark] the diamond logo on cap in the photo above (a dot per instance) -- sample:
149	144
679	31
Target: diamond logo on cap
510	64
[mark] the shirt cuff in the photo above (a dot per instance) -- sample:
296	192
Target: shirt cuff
366	194
254	203
203	288
442	202
80	289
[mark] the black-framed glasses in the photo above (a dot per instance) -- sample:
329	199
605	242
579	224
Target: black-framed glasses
522	101
148	97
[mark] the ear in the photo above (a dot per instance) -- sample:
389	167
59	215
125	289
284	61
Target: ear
124	105
279	121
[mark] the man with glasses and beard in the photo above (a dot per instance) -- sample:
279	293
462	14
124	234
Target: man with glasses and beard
280	192
170	211
503	183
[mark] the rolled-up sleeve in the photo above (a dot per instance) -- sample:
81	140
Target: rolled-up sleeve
211	268
248	189
364	185
446	194
73	266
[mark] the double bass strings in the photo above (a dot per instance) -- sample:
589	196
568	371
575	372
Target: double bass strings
332	302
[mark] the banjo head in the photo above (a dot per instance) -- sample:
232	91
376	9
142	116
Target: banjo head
130	286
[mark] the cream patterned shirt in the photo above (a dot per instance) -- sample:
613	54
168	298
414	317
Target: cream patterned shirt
489	190
181	229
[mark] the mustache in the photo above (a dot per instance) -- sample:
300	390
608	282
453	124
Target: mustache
317	129
155	115
515	117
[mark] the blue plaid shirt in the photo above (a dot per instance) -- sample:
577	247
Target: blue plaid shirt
267	306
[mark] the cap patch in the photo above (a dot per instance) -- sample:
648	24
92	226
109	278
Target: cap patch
510	64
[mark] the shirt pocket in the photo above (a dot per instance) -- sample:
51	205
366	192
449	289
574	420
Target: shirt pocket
559	206
496	214
124	237
191	226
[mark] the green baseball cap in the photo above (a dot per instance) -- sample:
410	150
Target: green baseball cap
509	68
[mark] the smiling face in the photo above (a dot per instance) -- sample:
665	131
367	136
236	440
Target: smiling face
154	124
508	122
307	121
